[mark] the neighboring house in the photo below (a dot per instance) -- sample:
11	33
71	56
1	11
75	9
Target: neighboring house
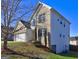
23	32
51	28
74	41
48	27
10	36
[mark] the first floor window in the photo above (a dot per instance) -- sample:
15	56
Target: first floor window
42	31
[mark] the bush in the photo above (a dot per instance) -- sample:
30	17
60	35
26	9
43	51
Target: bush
73	48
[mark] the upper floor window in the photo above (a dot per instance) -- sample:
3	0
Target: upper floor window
60	35
41	18
60	22
57	19
68	35
64	25
63	36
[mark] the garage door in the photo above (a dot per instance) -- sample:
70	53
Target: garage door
21	37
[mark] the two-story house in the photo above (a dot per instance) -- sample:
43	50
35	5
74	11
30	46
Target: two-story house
48	27
51	28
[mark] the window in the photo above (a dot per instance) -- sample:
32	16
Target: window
39	32
63	36
64	25
60	35
54	48
41	18
68	35
42	31
60	22
33	22
57	19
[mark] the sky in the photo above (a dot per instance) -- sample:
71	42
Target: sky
67	8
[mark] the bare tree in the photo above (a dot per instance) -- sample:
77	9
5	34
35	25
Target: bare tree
12	10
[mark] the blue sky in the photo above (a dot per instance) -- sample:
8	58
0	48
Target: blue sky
69	9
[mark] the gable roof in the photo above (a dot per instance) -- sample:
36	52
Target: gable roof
37	7
26	24
52	9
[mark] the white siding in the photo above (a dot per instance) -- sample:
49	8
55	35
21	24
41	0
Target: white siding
29	35
62	43
24	37
73	42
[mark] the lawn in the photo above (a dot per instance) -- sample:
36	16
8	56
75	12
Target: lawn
25	50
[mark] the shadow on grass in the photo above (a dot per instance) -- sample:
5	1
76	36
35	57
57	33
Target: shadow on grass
69	54
38	45
12	52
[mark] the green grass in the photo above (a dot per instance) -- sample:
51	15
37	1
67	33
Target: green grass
62	56
24	48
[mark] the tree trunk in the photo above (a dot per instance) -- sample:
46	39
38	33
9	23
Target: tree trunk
5	43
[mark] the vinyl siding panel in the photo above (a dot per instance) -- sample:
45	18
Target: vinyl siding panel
62	43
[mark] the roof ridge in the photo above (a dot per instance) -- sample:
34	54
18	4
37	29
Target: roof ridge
26	24
45	4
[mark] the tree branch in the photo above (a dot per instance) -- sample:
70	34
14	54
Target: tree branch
22	15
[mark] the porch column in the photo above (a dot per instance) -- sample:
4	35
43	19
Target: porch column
42	38
37	35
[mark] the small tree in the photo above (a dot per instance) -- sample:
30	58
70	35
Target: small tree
12	10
